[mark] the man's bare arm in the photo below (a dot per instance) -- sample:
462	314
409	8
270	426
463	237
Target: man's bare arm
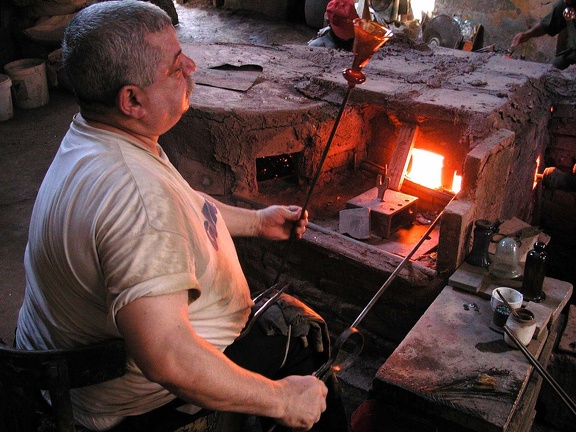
273	222
166	348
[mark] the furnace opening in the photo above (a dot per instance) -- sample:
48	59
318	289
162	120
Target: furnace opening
274	167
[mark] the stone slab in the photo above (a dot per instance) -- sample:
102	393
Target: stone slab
468	277
444	363
468	100
557	294
478	281
568	339
488	83
513	67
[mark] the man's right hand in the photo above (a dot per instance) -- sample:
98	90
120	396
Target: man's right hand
518	39
166	348
305	398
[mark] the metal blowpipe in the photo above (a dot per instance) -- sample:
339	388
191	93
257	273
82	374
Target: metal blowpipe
369	36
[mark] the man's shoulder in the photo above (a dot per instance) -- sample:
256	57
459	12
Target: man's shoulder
554	22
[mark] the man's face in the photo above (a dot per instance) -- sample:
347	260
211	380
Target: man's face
168	97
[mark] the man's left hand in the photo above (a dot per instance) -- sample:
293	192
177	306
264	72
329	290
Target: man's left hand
277	222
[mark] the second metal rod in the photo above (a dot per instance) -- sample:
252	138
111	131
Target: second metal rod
399	268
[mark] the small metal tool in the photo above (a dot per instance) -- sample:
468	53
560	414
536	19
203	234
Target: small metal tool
382	183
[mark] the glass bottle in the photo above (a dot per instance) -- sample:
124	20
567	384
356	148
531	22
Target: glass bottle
483	230
534	273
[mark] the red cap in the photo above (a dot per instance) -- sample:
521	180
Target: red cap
341	14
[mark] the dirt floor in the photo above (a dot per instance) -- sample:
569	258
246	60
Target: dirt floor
201	22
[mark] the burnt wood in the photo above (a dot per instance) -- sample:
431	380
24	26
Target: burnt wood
407	136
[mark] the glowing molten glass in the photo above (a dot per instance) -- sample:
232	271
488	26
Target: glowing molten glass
368	37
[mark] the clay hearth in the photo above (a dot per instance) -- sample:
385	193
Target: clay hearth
486	114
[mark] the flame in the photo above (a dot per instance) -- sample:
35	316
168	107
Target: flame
426	168
537	176
456	183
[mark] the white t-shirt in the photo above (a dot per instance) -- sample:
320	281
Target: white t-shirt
111	223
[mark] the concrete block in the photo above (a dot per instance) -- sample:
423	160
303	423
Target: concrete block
355	222
468	277
483	157
456	221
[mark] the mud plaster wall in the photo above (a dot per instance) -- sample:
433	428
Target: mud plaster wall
502	19
292	108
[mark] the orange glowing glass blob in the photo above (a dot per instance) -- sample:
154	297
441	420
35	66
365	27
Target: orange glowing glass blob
369	36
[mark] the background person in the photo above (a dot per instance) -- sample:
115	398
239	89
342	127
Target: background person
552	24
339	33
120	246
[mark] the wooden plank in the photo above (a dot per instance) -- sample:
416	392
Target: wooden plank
407	135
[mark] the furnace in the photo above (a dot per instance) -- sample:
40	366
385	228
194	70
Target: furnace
472	110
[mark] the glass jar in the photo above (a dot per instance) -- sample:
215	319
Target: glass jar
522	326
505	263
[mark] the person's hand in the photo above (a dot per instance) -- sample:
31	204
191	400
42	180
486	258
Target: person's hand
277	222
518	39
305	399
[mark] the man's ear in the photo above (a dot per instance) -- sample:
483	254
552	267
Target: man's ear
129	99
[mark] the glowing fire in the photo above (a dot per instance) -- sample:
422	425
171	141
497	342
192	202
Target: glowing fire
456	182
537	176
426	170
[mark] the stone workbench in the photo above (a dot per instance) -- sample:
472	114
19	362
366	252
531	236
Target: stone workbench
438	372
